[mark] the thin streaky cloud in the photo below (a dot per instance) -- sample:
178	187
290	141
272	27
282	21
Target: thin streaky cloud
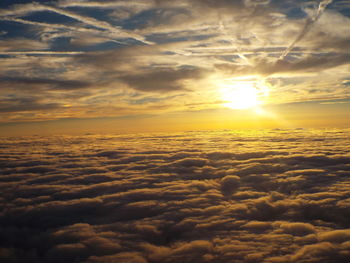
42	53
68	29
106	4
115	31
308	24
49	25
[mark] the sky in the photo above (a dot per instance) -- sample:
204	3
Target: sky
166	131
159	65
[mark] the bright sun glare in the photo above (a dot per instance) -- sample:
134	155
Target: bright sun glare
241	95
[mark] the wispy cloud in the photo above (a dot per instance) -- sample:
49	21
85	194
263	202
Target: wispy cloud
308	24
116	31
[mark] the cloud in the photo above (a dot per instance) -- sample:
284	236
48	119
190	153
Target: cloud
87	199
23	44
26	104
324	251
229	184
54	84
308	24
24	9
120	257
304	65
337	236
161	79
297	229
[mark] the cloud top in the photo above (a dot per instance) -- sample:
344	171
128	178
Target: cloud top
281	196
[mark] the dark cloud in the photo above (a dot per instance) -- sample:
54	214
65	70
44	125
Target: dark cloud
21	44
41	83
222	3
309	64
176	198
229	184
161	79
26	104
306	64
126	66
116	60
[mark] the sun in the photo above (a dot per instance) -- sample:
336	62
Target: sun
241	95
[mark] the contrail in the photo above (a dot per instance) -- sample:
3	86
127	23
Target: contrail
309	22
224	30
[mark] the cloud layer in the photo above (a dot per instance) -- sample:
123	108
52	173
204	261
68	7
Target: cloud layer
229	196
